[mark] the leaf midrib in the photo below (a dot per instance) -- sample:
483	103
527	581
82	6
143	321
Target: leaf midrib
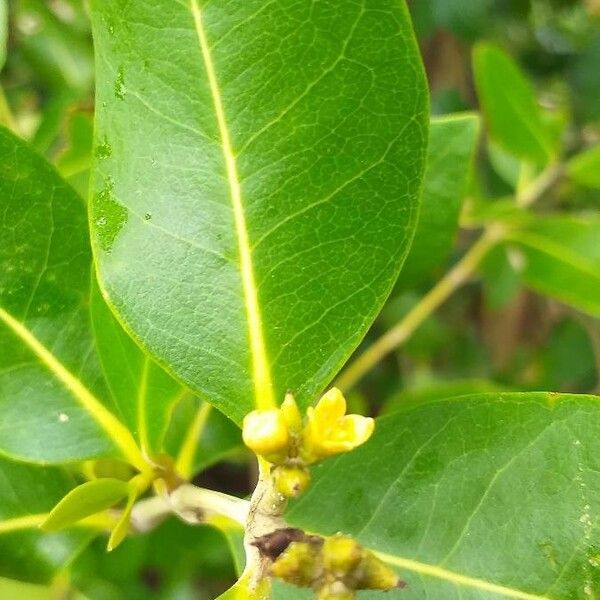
455	578
115	430
263	388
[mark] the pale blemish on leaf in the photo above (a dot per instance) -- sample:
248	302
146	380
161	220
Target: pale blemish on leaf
120	84
110	216
103	150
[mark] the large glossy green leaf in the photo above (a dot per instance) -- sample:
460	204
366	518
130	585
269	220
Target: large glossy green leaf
452	141
256	183
53	402
509	104
27	494
560	256
478	497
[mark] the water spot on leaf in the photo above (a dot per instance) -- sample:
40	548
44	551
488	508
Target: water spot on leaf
63	418
110	216
103	150
120	84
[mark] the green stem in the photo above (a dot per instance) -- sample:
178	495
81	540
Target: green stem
540	185
267	506
393	338
194	504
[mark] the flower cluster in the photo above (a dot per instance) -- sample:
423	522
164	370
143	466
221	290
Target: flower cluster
289	442
335	567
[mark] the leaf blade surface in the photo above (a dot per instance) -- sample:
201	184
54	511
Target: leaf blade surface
445	487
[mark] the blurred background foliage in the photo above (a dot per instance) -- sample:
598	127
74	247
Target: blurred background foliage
494	333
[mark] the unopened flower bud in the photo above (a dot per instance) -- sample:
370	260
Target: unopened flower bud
266	433
299	564
291	480
341	555
292	415
335	591
376	575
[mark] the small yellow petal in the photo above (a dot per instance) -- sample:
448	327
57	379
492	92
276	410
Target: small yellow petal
266	432
290	411
330	407
358	429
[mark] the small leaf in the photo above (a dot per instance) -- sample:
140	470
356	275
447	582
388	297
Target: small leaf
560	256
452	140
85	500
263	206
584	168
443	489
510	107
27	494
121	529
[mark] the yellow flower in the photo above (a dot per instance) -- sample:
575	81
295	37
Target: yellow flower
266	433
330	431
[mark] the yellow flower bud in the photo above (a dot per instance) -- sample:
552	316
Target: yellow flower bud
335	591
291	480
341	555
330	431
292	415
376	575
266	433
299	564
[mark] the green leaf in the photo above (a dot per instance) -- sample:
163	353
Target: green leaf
252	205
584	168
27	493
483	496
560	256
17	589
135	488
51	384
508	102
85	500
452	141
143	392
